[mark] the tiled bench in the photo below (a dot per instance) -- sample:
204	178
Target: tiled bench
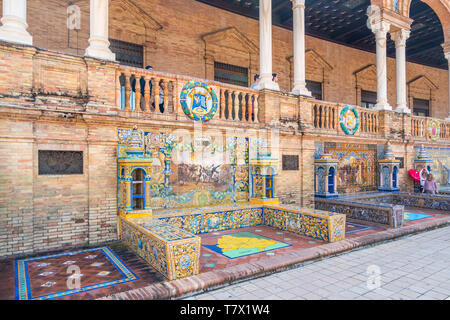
170	250
317	224
322	225
170	244
382	213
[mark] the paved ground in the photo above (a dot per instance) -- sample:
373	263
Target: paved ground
414	267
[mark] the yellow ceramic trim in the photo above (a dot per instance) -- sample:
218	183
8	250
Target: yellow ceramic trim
264	201
135	215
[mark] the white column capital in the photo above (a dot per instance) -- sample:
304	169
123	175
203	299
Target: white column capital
400	37
298	3
380	28
14	20
447	56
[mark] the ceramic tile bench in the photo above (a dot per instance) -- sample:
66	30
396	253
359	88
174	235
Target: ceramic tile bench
359	209
172	251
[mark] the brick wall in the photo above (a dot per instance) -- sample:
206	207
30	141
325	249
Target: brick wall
172	32
44	212
49	100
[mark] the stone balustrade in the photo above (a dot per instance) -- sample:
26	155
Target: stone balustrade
326	117
420	127
107	88
152	92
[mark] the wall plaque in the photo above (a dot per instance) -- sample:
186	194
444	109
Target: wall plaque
60	162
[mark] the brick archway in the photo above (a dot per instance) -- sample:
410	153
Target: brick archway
440	7
442	10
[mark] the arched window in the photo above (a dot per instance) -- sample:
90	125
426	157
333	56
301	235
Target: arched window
394	177
331	186
138	189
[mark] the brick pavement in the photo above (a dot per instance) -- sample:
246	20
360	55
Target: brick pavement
412	267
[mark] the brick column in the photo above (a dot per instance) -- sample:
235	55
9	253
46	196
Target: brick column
98	41
14	20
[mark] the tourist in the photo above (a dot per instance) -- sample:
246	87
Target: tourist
143	82
448	173
423	177
133	90
162	85
255	84
275	77
430	185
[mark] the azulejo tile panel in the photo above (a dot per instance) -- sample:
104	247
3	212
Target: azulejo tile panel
217	221
170	250
187	171
169	242
384	208
241	244
322	226
50	277
383	214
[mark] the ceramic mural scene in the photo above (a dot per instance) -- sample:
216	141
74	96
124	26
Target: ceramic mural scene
357	166
440	165
188	171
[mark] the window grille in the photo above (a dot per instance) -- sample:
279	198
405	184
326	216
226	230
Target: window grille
421	107
128	54
368	99
315	88
228	73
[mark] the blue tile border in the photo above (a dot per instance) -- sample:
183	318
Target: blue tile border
22	281
365	228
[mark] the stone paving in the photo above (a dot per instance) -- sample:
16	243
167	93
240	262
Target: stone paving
410	268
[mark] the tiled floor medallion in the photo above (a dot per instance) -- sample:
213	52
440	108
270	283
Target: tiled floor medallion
412	216
51	276
240	244
352	227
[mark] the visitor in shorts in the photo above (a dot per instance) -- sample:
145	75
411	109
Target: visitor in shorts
430	185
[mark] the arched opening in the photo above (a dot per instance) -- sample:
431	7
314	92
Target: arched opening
269	183
394	177
138	189
427	34
385	174
331	186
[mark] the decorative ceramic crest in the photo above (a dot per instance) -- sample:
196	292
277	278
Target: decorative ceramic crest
349	120
199	101
434	129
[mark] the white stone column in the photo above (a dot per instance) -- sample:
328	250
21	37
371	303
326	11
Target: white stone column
447	56
98	41
298	12
380	29
265	46
14	20
400	38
